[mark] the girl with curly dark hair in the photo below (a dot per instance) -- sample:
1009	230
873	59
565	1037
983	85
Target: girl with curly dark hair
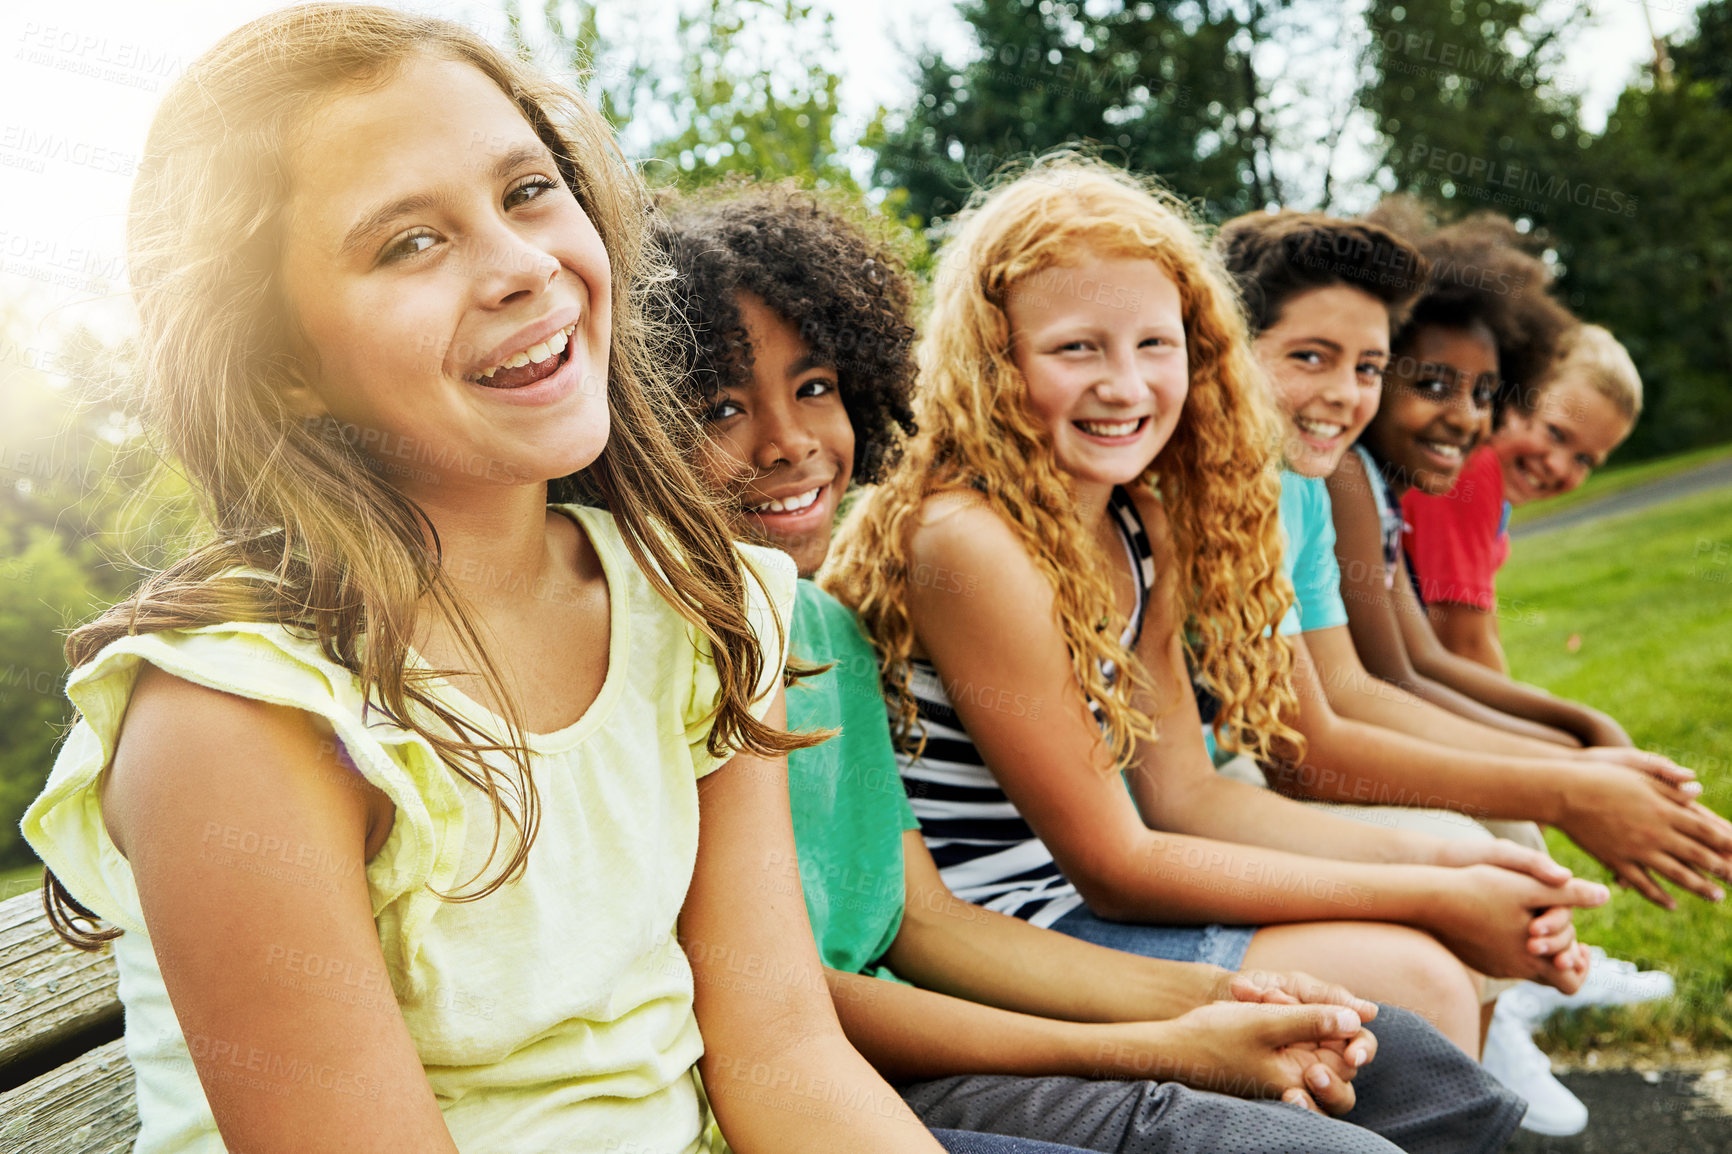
760	258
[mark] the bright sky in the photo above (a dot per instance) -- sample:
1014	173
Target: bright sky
81	80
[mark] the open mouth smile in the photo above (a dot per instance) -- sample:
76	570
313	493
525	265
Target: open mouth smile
1531	479
798	512
1319	430
796	503
1112	430
527	366
1449	453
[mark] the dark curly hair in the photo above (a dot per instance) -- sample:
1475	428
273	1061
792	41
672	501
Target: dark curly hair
1482	271
818	267
1275	256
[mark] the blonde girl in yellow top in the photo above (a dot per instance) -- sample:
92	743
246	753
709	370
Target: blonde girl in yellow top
390	794
1090	505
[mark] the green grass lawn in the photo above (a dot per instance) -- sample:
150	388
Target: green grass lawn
1608	481
1649	595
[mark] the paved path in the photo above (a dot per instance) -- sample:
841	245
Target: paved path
1713	475
1677	1113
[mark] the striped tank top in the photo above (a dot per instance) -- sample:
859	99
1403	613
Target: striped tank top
985	851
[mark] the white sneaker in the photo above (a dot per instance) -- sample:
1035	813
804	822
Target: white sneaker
1512	1058
1611	982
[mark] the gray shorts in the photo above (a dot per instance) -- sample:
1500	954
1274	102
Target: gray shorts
1420	1094
972	1142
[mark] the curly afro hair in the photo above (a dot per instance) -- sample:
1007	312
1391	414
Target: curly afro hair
1482	272
847	293
1276	256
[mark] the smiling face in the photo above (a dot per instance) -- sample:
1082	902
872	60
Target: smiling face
784	446
455	296
1436	406
1325	355
1551	450
1101	346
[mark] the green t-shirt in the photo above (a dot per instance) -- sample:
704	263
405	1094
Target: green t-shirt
846	795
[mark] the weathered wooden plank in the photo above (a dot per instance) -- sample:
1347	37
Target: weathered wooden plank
48	990
84	1107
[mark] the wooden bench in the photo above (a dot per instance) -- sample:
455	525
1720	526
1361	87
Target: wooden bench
65	1083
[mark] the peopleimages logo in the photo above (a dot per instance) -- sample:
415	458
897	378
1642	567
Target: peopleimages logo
22	146
389	448
97	56
1521	180
1446	54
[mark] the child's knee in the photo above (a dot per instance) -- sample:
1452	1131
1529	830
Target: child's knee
1438	984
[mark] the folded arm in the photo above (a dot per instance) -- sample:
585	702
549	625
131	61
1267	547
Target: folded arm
1301	1054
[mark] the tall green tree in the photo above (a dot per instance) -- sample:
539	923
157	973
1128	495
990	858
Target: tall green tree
741	89
1177	88
1470	99
1477	112
1659	273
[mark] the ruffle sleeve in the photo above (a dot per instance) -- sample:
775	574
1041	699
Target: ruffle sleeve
265	663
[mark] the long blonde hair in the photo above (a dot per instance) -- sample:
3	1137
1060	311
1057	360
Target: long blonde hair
1216	476
351	557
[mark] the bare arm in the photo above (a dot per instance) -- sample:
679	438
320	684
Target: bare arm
1469	632
1354	693
1586	726
1244	1050
1051	761
221	932
1054	766
1372	602
954	947
1177	788
1418	755
766	1036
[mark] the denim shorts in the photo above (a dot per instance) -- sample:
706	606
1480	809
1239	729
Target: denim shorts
1214	945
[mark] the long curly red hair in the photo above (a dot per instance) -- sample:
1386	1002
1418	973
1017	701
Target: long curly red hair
1217	475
